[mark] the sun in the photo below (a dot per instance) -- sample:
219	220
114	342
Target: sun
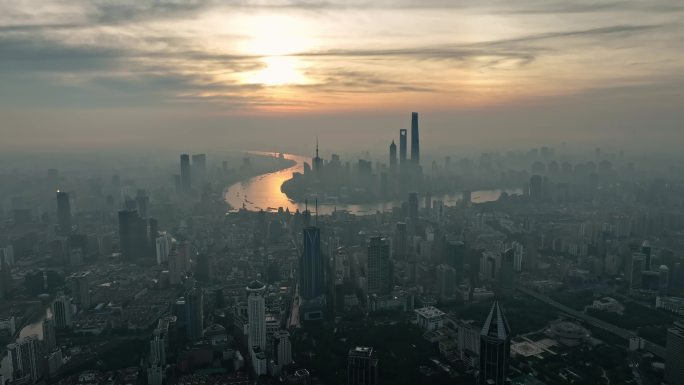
275	40
277	71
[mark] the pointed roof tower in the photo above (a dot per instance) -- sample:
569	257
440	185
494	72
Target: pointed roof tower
496	325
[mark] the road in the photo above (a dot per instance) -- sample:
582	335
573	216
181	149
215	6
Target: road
595	322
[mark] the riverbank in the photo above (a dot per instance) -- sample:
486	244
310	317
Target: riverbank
265	192
260	163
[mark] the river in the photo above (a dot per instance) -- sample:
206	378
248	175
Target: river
263	192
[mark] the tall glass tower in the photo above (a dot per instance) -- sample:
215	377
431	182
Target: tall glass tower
393	157
186	183
256	315
402	147
311	265
415	139
63	213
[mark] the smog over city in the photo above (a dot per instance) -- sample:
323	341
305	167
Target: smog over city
341	192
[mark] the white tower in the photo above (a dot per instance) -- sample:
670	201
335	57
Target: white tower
256	313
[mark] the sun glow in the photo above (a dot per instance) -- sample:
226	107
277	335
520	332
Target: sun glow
277	71
274	38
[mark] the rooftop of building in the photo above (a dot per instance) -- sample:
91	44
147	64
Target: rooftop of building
606	300
365	351
673	300
429	312
256	286
80	274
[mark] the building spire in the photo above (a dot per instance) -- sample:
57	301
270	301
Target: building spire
316	146
496	324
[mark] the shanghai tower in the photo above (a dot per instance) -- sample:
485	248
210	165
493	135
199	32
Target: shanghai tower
415	140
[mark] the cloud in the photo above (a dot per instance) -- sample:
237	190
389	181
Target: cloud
127	11
39	54
128	47
593	33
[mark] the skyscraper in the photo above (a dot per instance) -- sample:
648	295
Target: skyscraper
61	310
282	349
402	149
132	235
393	158
362	366
155	374
455	251
412	213
446	282
163	248
185	173
495	348
49	333
519	250
194	308
306	218
256	315
54	362
63	213
312	265
158	348
24	358
646	250
151	234
176	266
5	279
317	162
415	140
400	241
636	269
203	267
379	266
674	362
507	273
141	202
199	169
80	288
536	192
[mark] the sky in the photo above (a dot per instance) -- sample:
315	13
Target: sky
274	74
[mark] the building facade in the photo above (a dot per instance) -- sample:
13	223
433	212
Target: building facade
362	366
495	348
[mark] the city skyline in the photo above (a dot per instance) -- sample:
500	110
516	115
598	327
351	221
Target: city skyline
401	278
330	192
